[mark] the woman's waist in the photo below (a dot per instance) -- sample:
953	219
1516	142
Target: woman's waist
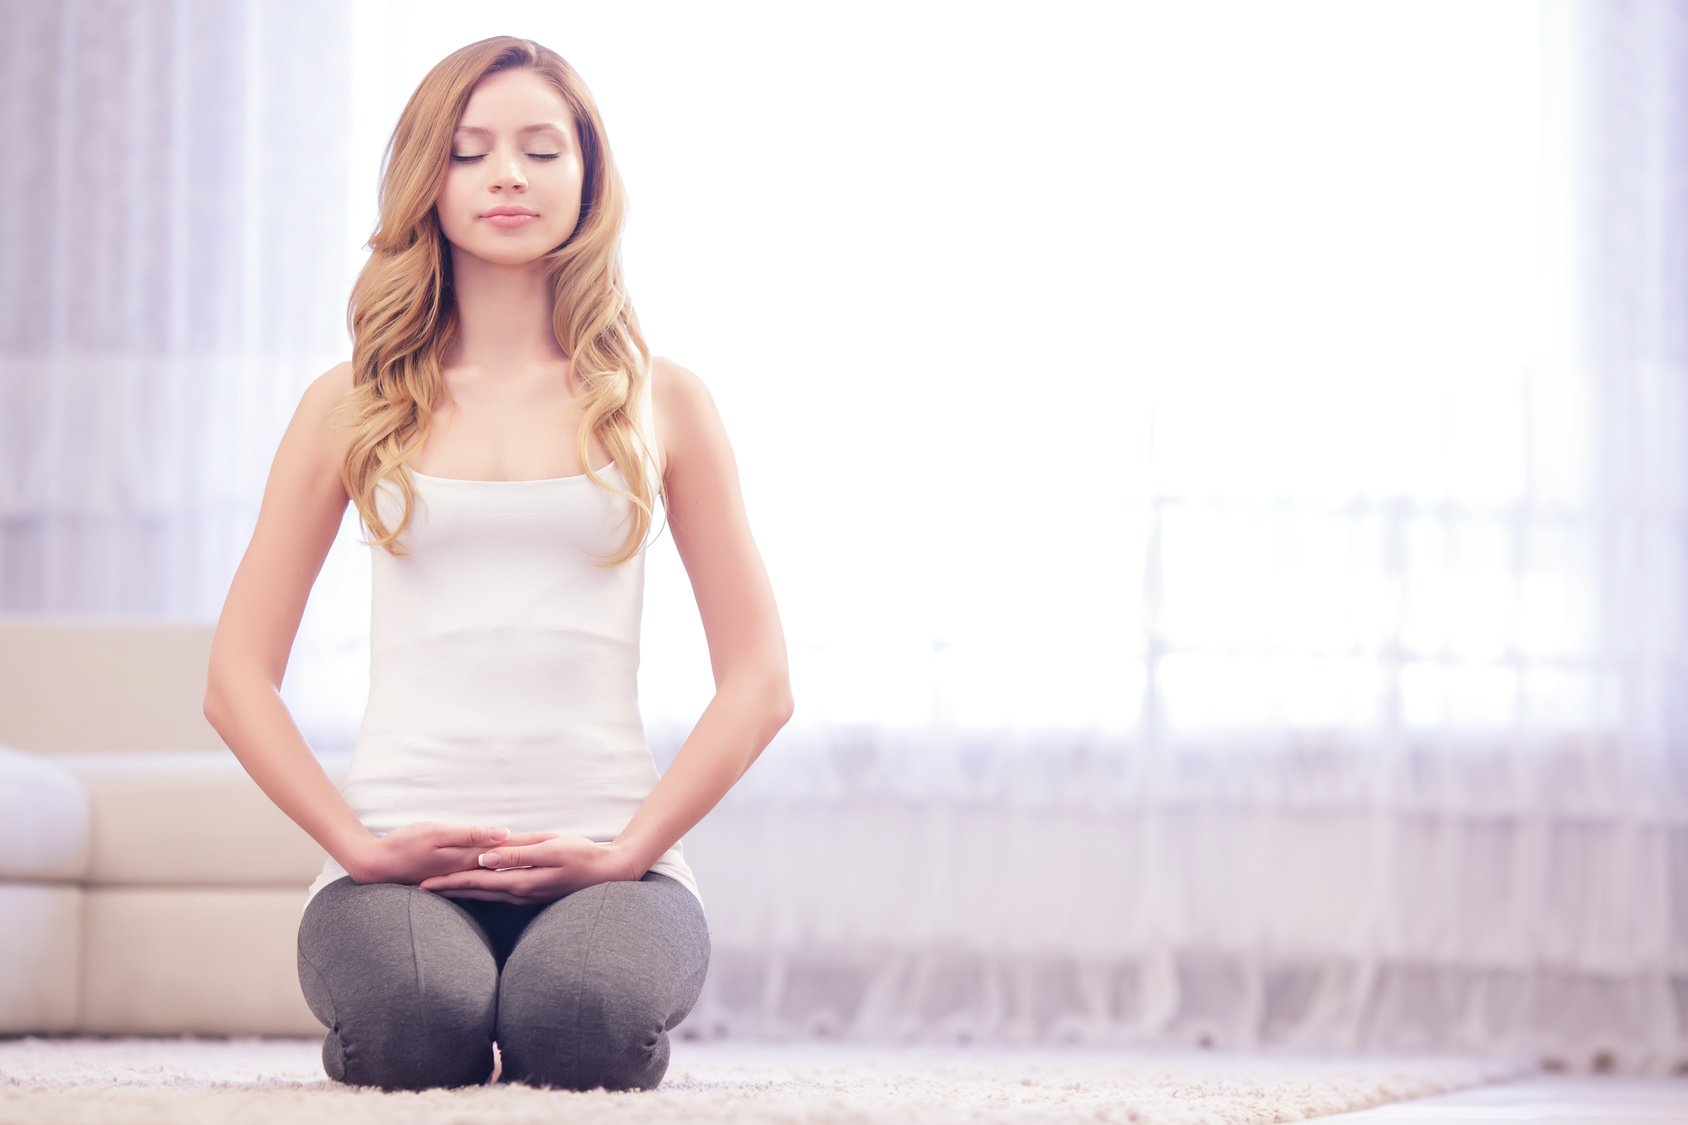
579	752
384	802
483	706
423	645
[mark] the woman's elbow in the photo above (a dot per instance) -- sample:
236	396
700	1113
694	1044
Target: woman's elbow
782	701
763	691
773	692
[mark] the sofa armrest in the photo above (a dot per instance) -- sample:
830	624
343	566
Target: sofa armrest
45	819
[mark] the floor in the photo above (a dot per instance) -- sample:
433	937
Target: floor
1541	1100
210	1081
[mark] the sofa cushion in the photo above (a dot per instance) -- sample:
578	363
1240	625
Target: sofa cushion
44	818
200	960
189	817
100	682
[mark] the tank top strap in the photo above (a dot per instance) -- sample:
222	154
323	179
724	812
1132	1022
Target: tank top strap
647	422
647	429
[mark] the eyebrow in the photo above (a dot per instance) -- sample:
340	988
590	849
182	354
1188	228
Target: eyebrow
522	132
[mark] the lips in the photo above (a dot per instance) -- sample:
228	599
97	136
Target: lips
508	211
510	222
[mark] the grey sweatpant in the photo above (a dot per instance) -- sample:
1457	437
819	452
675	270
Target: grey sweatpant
580	992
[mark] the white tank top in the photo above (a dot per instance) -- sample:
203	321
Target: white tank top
503	670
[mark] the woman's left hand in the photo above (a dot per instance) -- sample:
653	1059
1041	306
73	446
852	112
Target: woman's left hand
534	873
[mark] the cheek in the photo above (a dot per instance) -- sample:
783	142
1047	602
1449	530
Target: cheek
450	207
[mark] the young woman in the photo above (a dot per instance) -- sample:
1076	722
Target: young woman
504	862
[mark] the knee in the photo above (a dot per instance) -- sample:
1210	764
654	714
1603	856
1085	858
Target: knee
397	1018
582	1035
407	1046
394	1037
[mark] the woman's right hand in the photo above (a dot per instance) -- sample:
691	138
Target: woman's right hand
419	851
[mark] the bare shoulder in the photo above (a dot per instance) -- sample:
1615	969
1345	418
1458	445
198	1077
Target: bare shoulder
324	394
683	407
674	386
338	377
334	384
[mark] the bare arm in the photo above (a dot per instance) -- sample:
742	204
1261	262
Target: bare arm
303	505
736	601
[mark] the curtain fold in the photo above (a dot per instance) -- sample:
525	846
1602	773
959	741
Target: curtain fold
177	176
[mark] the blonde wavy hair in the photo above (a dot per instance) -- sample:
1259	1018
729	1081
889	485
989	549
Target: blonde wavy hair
403	313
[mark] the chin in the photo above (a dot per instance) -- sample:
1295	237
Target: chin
530	250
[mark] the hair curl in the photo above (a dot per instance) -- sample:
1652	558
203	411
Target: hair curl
403	314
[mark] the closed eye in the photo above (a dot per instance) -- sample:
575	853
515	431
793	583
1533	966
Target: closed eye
535	155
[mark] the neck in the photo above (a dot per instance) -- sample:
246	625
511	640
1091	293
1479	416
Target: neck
503	315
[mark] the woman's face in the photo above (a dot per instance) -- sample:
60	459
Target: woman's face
499	160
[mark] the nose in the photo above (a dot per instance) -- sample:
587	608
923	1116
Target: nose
507	172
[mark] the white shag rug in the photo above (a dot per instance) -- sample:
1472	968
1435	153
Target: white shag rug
140	1081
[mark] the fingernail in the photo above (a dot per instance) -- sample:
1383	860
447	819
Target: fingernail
489	859
500	833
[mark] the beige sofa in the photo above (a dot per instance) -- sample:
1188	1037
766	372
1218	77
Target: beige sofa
147	885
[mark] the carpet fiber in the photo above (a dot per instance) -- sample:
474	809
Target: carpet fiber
138	1081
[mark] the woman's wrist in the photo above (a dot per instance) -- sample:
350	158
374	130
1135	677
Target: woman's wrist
630	868
355	856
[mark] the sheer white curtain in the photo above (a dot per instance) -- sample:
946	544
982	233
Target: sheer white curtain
1222	469
174	239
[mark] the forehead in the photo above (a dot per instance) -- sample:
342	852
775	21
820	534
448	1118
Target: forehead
538	127
518	99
